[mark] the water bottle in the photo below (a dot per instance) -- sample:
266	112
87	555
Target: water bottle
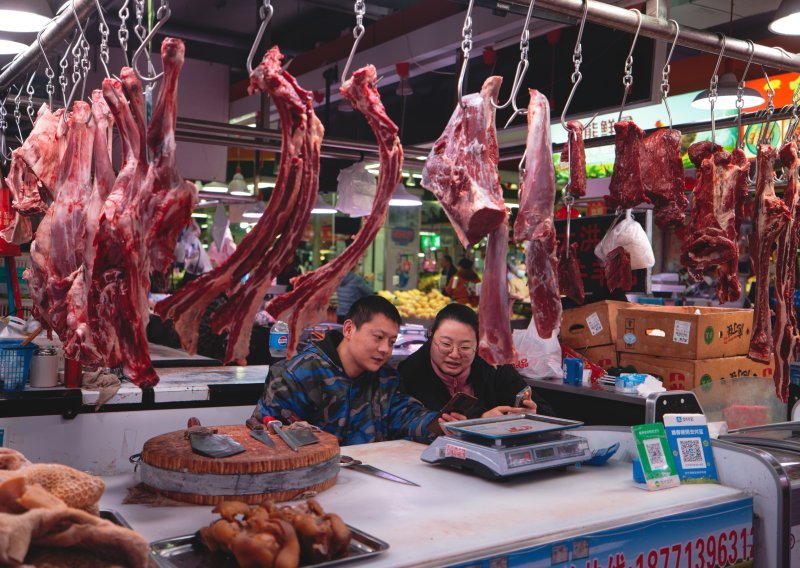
278	339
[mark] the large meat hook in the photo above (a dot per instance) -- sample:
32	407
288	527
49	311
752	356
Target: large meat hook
665	73
466	47
522	66
360	9
265	13
627	79
162	16
740	96
712	90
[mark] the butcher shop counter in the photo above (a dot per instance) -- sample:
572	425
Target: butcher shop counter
454	518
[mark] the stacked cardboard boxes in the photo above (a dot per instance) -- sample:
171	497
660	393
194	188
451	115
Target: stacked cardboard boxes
591	330
687	347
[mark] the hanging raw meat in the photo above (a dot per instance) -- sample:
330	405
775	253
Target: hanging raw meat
626	188
711	239
496	344
769	220
535	218
618	271
461	169
785	332
570	281
663	179
237	315
297	172
574	154
308	302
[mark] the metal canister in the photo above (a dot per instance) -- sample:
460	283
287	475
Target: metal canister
44	367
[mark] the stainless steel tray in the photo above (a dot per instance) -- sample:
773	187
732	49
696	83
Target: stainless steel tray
181	552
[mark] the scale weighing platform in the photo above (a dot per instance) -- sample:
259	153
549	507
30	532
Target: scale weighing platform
502	446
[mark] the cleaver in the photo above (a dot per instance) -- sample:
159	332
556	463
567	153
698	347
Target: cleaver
206	442
257	431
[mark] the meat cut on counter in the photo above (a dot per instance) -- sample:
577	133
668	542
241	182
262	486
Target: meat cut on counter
105	232
307	303
461	169
534	221
285	214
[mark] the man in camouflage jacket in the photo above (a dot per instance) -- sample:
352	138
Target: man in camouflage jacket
341	384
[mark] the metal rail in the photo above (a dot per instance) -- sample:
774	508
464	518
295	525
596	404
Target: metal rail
622	19
52	37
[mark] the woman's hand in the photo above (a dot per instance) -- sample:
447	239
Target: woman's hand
527	406
451	417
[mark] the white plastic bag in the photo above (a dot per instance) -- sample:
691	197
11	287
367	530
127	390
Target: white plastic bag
538	358
629	235
356	190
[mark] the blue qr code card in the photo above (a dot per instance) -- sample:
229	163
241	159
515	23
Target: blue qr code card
687	435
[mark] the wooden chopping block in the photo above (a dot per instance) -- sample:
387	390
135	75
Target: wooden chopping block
170	468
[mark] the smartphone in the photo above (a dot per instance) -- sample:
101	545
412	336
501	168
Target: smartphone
461	402
524	394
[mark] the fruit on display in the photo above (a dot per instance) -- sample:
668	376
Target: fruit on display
416	303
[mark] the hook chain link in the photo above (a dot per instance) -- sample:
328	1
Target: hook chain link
360	8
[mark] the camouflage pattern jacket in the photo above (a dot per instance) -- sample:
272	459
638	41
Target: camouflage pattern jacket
313	386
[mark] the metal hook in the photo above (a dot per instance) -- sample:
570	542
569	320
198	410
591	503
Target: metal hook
466	47
162	15
265	13
358	33
712	90
522	66
740	96
627	79
30	92
104	31
577	59
766	130
665	73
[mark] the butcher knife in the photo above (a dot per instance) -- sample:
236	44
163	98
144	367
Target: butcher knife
277	427
206	442
257	431
350	463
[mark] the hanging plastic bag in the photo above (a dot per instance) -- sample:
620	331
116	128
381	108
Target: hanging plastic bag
629	235
356	189
538	358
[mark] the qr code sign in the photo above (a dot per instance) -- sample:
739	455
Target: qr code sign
691	453
655	454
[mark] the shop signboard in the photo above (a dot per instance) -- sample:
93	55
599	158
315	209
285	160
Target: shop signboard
587	232
402	248
718	536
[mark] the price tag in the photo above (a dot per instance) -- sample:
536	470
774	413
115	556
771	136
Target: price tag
593	321
681	332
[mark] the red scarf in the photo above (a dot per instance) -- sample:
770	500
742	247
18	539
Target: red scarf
455	383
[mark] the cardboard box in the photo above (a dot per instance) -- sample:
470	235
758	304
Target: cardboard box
684	374
684	332
591	325
603	355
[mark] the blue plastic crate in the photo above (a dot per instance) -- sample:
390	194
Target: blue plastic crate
794	373
797	298
15	362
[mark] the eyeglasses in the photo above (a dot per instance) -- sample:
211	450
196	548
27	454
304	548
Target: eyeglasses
447	348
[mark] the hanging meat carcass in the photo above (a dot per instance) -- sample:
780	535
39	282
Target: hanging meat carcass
626	187
663	179
711	238
298	173
307	303
785	332
769	220
570	280
534	221
461	169
496	344
574	154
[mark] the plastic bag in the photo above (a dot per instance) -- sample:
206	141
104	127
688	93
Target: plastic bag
356	189
629	235
538	358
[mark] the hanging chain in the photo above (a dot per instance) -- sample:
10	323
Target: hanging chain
4	157
62	78
122	33
104	33
139	29
360	8
466	36
627	79
17	113
29	90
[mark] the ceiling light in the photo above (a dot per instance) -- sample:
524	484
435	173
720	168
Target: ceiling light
786	20
237	186
8	47
215	187
261	185
255	212
321	207
198	215
402	198
512	205
24	15
421	158
726	95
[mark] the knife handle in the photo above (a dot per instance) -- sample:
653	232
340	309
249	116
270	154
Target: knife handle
253	424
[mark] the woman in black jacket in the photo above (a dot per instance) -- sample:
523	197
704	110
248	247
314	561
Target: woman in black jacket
448	363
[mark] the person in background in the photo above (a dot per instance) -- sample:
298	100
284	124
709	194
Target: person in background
461	286
448	364
352	287
448	271
343	386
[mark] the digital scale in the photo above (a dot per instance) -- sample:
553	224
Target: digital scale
503	446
